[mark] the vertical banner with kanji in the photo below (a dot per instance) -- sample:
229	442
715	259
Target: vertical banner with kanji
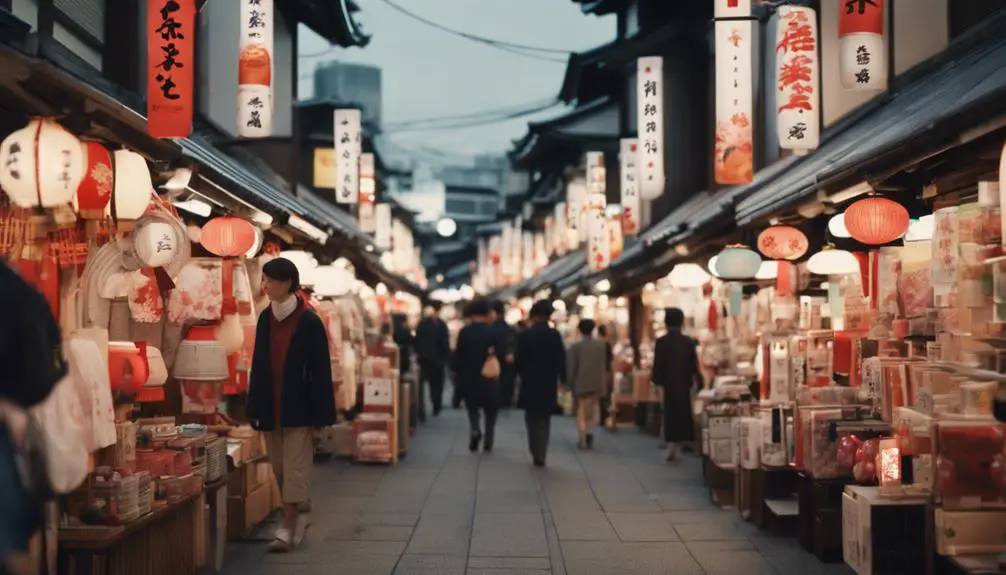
255	69
862	47
798	94
171	34
734	146
347	155
650	125
382	220
598	237
628	157
368	194
576	198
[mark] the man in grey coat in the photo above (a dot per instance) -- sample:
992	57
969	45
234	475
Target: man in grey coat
587	374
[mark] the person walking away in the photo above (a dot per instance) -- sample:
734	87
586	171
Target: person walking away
433	347
508	338
587	375
541	365
676	371
290	393
604	403
476	367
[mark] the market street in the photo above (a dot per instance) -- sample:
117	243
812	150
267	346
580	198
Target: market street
442	510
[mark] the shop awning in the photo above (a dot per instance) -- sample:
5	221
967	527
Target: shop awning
930	109
341	221
597	119
678	221
554	272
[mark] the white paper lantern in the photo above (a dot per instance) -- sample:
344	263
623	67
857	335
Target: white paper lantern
862	46
332	281
769	270
155	243
737	263
132	188
304	261
836	227
255	69
832	262
628	157
798	96
41	165
576	199
688	276
599	242
650	125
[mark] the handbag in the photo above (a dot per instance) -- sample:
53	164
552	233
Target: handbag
491	367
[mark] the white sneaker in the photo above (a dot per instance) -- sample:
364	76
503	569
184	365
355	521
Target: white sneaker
282	542
303	522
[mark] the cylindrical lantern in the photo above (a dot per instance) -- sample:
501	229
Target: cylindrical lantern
876	221
132	189
832	262
95	189
782	243
798	97
862	46
733	148
255	69
615	237
650	125
41	165
228	236
598	243
737	263
155	243
628	156
686	276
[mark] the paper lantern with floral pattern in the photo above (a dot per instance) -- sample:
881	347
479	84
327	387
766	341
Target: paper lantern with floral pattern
95	190
782	243
876	221
228	236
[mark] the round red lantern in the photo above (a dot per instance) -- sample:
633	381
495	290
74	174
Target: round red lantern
95	190
228	236
782	243
876	221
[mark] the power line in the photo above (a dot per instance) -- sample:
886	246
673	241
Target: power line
456	125
482	114
500	44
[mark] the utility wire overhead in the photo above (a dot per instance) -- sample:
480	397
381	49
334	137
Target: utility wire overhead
512	47
480	115
471	124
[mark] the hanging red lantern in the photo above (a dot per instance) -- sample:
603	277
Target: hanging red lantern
876	221
95	190
783	243
228	236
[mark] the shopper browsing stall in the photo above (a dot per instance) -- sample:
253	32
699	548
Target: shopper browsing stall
290	392
676	370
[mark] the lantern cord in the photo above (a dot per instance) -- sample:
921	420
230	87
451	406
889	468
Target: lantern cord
501	44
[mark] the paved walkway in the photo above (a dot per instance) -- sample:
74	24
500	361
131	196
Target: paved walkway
442	510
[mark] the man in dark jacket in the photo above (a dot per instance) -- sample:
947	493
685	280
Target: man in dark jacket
290	393
481	394
541	364
507	336
433	346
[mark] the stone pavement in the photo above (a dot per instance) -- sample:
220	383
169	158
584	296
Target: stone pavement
617	509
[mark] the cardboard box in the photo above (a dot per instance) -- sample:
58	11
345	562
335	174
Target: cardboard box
970	532
720	428
247	478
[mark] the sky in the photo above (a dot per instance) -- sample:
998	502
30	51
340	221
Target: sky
430	73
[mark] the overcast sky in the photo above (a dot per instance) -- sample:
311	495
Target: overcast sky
431	73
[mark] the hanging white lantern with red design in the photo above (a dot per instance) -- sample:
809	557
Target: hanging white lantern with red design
255	69
41	165
598	242
560	230
734	145
616	237
862	46
798	98
650	125
628	157
576	197
368	194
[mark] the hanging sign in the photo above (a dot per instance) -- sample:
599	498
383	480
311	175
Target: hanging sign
495	261
560	231
599	239
797	94
862	47
616	237
650	125
171	33
629	172
255	105
576	198
368	194
547	236
595	173
347	155
382	221
527	255
324	169
734	149
541	249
